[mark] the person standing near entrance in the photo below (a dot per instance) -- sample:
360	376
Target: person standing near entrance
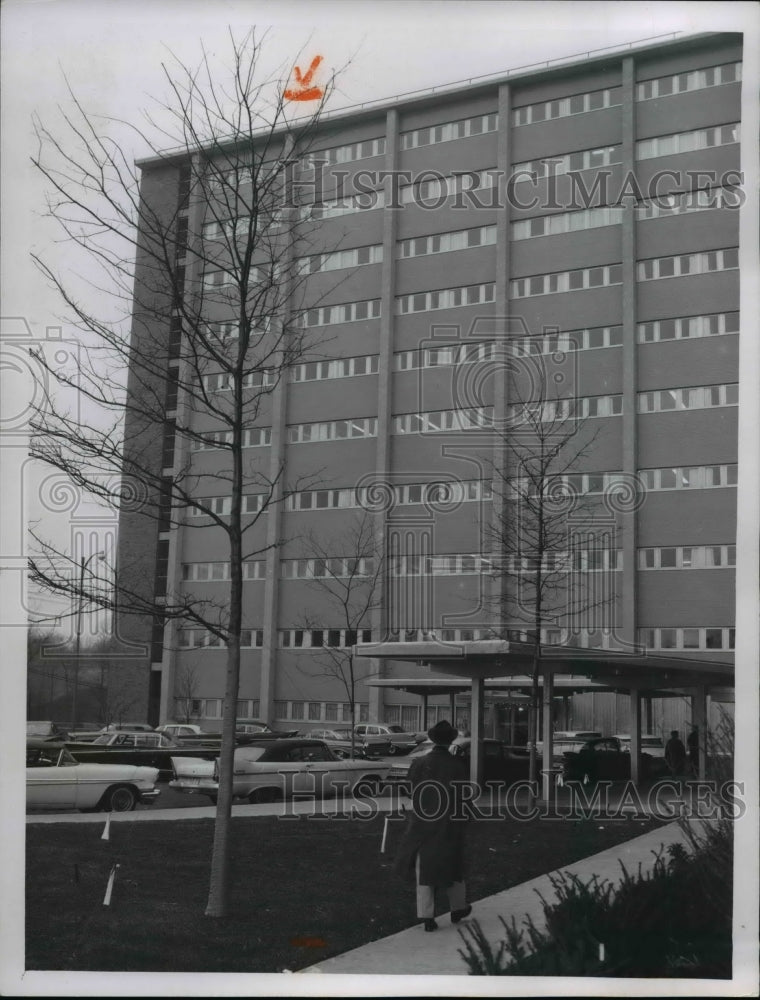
675	753
433	844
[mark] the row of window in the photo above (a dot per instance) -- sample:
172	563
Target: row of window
696	79
436	189
691	263
339	259
687	557
253	569
407	493
435	357
316	638
563	409
320	711
365	201
695	477
346	153
201	638
335	567
687	327
347	312
687	638
578	104
566	222
443	420
333	430
578	560
310	371
694	398
566	281
461	129
446	298
687	142
221	506
584	159
570	340
222	381
462	239
253	437
689	201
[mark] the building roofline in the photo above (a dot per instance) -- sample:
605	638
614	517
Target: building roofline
418	98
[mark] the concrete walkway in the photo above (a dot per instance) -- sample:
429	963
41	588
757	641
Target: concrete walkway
417	952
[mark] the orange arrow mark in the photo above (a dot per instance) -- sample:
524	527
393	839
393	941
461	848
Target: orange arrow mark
305	93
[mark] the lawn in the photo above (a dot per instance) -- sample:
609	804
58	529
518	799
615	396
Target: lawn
302	889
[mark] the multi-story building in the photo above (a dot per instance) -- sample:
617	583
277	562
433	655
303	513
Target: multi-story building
584	214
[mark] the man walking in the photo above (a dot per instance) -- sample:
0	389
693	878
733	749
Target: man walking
434	841
675	754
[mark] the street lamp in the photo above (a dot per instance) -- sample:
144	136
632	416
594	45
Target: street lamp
83	564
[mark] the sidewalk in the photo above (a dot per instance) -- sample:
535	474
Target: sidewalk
415	952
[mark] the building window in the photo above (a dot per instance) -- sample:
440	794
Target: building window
222	381
312	371
434	190
565	409
566	222
329	568
679	637
460	564
446	298
333	430
690	263
694	398
696	477
567	281
688	557
198	638
687	142
345	154
340	259
578	104
573	561
698	79
571	340
221	506
462	129
443	420
410	493
686	327
436	357
585	159
347	312
462	239
331	711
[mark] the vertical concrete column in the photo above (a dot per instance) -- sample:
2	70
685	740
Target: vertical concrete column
626	623
383	457
476	731
547	693
699	719
453	707
635	716
423	721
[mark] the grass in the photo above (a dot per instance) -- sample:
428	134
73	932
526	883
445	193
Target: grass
302	889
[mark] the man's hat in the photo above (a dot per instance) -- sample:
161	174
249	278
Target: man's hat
443	733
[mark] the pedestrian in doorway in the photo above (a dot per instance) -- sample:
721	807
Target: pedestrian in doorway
692	742
433	844
675	753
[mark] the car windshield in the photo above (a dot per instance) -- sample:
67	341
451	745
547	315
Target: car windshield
250	753
103	740
396	729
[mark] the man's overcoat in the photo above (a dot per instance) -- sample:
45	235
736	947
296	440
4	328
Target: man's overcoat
432	829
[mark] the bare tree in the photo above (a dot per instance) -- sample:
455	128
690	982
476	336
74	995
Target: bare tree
550	539
187	691
214	282
349	589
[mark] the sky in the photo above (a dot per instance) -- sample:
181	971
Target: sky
111	54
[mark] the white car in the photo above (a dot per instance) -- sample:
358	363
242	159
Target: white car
278	769
180	730
55	780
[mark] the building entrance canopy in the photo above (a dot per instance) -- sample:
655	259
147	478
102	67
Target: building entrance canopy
562	668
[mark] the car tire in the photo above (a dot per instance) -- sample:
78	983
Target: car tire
259	795
121	798
393	750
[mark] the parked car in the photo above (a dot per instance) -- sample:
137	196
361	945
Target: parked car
650	742
567	741
45	730
259	730
55	780
607	759
147	749
339	741
401	741
176	730
501	762
272	770
128	727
